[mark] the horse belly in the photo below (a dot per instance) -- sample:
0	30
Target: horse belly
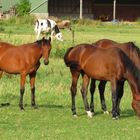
11	68
100	71
11	65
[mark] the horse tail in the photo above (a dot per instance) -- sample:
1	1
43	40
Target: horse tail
66	60
70	63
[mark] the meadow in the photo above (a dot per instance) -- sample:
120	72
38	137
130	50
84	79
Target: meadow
53	119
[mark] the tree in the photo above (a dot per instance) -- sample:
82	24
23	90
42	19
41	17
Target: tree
23	7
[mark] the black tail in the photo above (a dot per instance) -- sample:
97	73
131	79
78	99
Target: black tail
70	63
66	57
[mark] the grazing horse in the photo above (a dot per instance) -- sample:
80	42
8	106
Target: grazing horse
102	64
43	26
132	52
24	60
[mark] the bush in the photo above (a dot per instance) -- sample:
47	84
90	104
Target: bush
26	20
138	21
23	7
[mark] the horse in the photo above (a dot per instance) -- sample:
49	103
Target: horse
110	64
44	26
64	24
24	60
133	52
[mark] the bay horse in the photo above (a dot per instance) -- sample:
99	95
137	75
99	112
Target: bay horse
133	52
24	60
102	64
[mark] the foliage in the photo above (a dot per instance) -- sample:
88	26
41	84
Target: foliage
23	7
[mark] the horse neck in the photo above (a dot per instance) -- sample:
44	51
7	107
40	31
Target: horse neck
36	49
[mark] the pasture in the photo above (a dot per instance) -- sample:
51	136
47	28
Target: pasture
53	119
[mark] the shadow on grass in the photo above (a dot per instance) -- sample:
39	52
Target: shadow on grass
123	114
127	113
53	106
50	106
4	104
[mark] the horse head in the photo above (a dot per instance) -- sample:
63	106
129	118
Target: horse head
46	48
59	36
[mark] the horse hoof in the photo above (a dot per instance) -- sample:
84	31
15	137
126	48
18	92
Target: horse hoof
90	114
22	109
115	118
75	116
106	112
35	107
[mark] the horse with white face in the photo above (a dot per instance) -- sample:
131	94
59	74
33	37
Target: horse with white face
44	26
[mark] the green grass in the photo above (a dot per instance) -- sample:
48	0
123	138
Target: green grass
53	118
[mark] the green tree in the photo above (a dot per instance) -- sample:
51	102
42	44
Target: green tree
23	7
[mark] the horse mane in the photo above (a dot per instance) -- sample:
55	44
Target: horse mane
131	67
39	42
134	48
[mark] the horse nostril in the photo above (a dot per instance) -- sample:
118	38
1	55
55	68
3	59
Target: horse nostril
46	62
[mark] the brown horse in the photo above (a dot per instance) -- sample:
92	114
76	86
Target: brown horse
102	64
24	60
132	52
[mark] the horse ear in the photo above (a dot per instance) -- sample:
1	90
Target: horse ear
49	39
43	38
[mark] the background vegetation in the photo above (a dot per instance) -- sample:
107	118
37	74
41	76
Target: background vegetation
53	119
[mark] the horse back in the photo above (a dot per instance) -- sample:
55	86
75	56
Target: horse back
14	59
73	56
129	48
103	64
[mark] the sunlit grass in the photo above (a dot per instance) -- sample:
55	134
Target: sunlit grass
53	118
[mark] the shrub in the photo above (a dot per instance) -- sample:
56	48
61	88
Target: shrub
23	7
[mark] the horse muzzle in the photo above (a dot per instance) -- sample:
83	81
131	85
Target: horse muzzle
46	62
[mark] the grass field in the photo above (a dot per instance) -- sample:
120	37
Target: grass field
53	119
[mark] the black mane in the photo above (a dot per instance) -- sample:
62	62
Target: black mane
135	48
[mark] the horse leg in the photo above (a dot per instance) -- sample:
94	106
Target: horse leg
120	92
92	90
101	88
1	72
114	99
32	85
73	89
38	34
84	93
22	89
52	35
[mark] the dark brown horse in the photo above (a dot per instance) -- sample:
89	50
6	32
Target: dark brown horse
24	60
102	64
132	52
